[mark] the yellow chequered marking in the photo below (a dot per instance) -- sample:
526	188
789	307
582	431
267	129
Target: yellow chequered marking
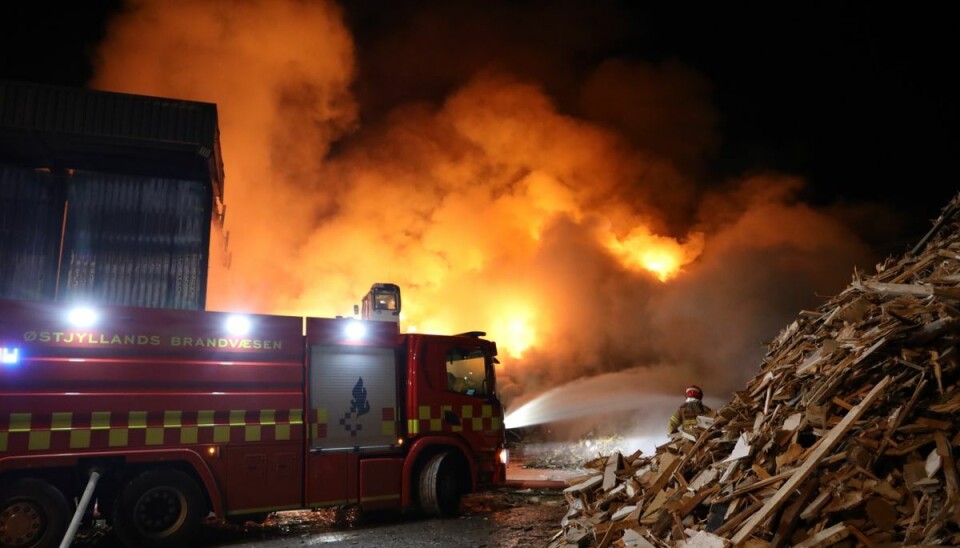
61	421
388	428
172	419
62	431
118	437
154	436
39	440
189	434
296	416
100	420
238	417
477	418
268	417
321	418
20	422
79	439
137	419
221	434
205	418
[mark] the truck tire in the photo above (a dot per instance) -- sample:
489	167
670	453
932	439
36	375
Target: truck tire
440	490
159	508
33	514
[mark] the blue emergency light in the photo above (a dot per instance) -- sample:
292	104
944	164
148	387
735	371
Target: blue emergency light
9	356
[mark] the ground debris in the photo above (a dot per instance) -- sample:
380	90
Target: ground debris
846	436
567	456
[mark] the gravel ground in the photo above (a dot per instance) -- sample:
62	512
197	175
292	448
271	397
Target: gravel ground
505	517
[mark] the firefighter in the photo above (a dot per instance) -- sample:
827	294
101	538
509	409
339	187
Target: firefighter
687	413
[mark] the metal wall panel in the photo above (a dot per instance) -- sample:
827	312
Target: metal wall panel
31	218
77	128
136	241
40	107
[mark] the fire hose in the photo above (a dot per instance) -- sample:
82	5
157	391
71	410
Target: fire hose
81	509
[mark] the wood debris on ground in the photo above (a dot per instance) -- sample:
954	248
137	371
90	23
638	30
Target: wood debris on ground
566	455
846	437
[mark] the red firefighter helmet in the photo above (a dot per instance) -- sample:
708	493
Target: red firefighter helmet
693	391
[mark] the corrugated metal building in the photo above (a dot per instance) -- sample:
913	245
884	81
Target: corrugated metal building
106	197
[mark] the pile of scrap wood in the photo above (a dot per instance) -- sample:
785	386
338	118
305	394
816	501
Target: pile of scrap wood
846	437
567	455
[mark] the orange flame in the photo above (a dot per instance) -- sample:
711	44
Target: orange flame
516	333
662	256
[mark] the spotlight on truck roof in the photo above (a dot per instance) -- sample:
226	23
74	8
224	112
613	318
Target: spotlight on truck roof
82	316
355	330
238	325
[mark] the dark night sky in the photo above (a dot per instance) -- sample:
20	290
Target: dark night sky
857	98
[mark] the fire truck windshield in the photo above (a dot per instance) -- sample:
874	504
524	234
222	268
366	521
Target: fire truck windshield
385	301
467	372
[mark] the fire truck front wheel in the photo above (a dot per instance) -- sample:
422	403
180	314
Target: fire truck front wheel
159	508
33	514
440	489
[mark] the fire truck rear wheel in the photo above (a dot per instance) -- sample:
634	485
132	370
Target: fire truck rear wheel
440	490
159	508
33	514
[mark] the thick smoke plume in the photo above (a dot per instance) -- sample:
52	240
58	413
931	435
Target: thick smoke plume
565	213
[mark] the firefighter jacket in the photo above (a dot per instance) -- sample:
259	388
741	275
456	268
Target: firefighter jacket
686	415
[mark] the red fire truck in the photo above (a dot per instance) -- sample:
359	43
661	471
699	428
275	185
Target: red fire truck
158	417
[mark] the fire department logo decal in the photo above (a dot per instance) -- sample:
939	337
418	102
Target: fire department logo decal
359	406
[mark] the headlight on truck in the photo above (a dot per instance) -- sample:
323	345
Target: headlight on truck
503	456
82	316
238	325
354	330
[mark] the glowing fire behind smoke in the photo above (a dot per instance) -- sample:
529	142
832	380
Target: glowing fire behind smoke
558	232
664	257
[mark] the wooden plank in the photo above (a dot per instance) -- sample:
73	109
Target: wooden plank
774	502
949	466
791	516
694	501
867	542
665	475
900	417
816	505
610	471
756	485
731	523
945	216
842	403
827	537
760	472
881	513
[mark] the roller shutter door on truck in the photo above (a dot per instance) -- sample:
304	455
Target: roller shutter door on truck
353	397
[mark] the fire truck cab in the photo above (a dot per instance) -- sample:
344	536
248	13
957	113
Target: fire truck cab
158	417
381	303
